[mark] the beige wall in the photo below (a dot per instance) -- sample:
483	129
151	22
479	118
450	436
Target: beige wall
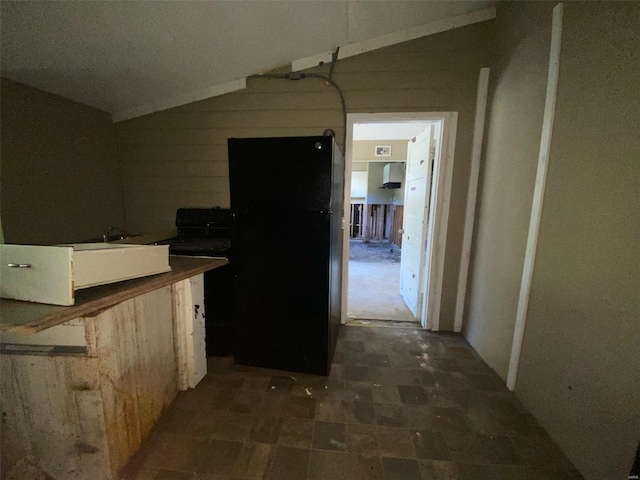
579	370
359	166
365	150
509	161
375	194
59	171
178	158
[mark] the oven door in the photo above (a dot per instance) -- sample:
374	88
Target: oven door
217	294
218	312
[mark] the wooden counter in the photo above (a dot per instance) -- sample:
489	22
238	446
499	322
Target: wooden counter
28	318
81	387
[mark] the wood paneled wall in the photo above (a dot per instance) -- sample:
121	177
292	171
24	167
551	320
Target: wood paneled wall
178	158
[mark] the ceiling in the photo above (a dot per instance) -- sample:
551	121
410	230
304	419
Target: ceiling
388	130
121	55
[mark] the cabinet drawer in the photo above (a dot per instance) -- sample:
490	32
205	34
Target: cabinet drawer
52	274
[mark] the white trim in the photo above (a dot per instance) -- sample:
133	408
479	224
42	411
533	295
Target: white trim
416	32
538	195
346	51
439	210
313	61
346	216
439	222
178	100
476	152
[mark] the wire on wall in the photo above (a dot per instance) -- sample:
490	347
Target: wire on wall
326	78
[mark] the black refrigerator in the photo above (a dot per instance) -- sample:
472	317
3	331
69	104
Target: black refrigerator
287	206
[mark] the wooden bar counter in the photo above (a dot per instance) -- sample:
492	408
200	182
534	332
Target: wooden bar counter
82	386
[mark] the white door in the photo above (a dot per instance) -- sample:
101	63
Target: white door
414	224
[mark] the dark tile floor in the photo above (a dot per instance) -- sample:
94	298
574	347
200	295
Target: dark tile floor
400	404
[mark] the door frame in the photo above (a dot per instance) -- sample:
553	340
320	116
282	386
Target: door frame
438	217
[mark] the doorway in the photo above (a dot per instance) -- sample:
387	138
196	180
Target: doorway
397	184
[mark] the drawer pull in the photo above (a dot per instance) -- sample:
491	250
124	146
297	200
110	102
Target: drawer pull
19	265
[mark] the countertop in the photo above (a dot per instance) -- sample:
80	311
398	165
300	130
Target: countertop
28	318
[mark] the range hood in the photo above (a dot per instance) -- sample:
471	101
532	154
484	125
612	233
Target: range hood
392	175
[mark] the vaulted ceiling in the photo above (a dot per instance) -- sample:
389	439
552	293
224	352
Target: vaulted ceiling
122	55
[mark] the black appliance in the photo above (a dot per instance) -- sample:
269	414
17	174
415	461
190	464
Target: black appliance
206	232
286	202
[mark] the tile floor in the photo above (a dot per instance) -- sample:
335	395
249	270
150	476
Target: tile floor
400	404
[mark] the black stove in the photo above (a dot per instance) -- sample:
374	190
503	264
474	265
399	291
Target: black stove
206	232
207	247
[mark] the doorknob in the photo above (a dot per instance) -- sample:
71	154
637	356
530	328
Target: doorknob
401	231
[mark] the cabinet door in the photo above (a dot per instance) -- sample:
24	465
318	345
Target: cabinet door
189	331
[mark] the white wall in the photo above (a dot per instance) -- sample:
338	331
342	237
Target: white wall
398	193
358	186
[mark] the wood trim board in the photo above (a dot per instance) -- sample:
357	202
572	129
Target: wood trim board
476	153
176	101
538	196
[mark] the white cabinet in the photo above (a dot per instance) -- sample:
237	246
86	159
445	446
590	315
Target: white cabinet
393	173
52	274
